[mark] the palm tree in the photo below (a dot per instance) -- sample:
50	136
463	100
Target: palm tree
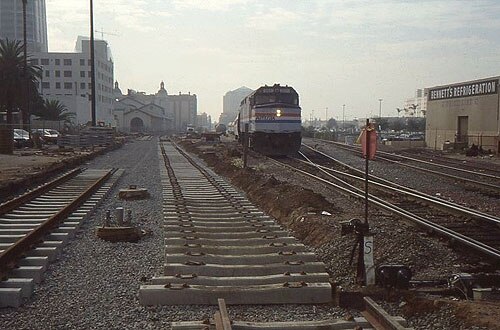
13	86
55	110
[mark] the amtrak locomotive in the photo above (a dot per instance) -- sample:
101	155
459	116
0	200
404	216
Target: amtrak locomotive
273	117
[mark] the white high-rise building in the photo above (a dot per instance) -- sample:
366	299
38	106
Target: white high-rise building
67	77
11	23
231	104
415	106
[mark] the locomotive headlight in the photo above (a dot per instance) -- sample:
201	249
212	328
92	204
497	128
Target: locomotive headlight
278	112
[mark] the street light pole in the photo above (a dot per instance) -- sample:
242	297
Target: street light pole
380	108
343	116
92	64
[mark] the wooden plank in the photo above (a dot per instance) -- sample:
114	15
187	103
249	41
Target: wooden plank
384	320
226	322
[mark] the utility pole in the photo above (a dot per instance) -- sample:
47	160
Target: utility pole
25	113
92	64
380	108
326	114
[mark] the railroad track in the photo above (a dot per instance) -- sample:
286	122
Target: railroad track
36	225
472	228
373	317
480	180
219	245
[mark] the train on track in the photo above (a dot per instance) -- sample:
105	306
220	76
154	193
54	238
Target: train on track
273	116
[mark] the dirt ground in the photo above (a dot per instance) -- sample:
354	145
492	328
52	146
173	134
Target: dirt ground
28	167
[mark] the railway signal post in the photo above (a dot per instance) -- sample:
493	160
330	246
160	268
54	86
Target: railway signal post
366	267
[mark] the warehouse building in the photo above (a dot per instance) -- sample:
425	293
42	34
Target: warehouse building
462	114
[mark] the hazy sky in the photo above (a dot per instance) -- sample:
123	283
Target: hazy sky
332	52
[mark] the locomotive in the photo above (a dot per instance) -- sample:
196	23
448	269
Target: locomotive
274	122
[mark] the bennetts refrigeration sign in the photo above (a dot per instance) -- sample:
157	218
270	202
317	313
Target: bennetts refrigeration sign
464	90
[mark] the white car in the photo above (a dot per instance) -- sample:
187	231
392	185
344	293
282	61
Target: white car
48	135
21	138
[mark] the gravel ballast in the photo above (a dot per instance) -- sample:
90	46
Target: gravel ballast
94	285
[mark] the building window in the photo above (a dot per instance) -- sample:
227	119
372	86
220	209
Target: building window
45	61
46	85
58	61
68	74
90	74
82	74
34	61
47	73
82	95
58	73
58	85
67	61
68	85
89	62
82	85
90	86
82	61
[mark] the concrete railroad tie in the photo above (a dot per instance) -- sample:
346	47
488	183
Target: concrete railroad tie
219	245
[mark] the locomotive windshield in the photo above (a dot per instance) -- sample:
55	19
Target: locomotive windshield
289	97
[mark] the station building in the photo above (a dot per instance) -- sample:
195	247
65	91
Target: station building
154	113
462	114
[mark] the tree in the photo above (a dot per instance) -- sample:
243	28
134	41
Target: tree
398	125
332	123
383	123
13	85
415	124
54	110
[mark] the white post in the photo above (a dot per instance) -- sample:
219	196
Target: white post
368	260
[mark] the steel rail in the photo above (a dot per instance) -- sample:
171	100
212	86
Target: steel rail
9	257
358	193
356	149
24	198
383	183
481	184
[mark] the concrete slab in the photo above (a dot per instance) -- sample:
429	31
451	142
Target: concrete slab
17	226
265	239
242	280
34	261
207	222
312	293
256	233
10	297
59	237
51	243
51	252
243	228
16	232
7	238
25	284
231	250
249	259
34	272
193	267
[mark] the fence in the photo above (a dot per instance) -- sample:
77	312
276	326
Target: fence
448	139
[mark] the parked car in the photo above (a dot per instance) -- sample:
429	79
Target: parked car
22	138
48	135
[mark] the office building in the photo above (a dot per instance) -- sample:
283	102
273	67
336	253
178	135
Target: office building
67	77
11	23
